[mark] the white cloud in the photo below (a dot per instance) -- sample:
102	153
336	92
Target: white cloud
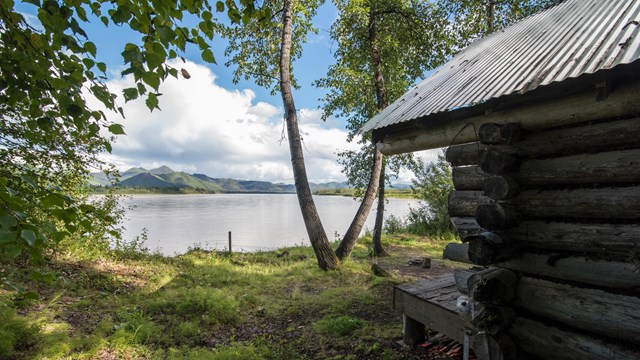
208	129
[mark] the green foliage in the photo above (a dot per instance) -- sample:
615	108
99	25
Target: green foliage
254	45
338	326
409	39
433	184
472	19
49	136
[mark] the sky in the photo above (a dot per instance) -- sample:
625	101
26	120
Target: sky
209	125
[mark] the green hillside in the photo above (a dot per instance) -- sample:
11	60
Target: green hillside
164	179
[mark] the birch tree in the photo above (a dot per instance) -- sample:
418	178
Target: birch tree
253	49
382	48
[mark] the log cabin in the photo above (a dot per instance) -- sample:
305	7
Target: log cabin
541	125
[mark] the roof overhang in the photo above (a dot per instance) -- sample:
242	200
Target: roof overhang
607	93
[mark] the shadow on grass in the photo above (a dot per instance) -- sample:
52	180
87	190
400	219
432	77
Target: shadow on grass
208	305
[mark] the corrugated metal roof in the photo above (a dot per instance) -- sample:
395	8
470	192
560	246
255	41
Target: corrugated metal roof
570	39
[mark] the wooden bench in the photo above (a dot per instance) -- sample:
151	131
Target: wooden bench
429	303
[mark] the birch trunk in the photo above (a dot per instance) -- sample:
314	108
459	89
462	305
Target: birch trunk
327	260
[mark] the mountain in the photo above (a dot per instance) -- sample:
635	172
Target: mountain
146	180
164	177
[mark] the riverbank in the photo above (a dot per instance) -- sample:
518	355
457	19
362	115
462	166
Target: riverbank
210	305
388	193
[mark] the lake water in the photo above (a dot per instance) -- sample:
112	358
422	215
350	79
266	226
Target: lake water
257	221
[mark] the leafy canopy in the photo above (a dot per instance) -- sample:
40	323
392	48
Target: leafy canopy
49	136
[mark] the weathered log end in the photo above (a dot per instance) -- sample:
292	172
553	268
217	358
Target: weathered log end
481	317
495	286
511	133
464	203
500	187
489	133
499	347
456	252
495	216
488	248
493	133
466	226
495	162
465	154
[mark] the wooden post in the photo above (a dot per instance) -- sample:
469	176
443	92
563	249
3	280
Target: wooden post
230	251
413	331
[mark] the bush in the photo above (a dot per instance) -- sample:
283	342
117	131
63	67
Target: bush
432	185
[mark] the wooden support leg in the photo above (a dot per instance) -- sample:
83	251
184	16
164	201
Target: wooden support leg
413	331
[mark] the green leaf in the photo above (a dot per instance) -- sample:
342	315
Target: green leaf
207	16
94	128
105	20
29	236
130	94
7	221
13	251
52	200
74	110
121	15
151	79
102	67
166	34
7	236
88	63
33	2
152	101
45	123
219	6
207	55
90	48
116	129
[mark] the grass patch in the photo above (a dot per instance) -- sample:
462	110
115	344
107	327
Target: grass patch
338	326
206	305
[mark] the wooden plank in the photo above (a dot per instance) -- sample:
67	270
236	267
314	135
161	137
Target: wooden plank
584	138
425	285
601	203
576	237
606	273
596	311
621	203
612	167
562	111
552	343
434	316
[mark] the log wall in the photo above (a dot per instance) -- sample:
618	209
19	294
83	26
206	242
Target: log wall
554	217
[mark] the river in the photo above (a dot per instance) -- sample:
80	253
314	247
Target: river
174	223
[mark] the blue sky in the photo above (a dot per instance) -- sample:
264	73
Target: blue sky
210	125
